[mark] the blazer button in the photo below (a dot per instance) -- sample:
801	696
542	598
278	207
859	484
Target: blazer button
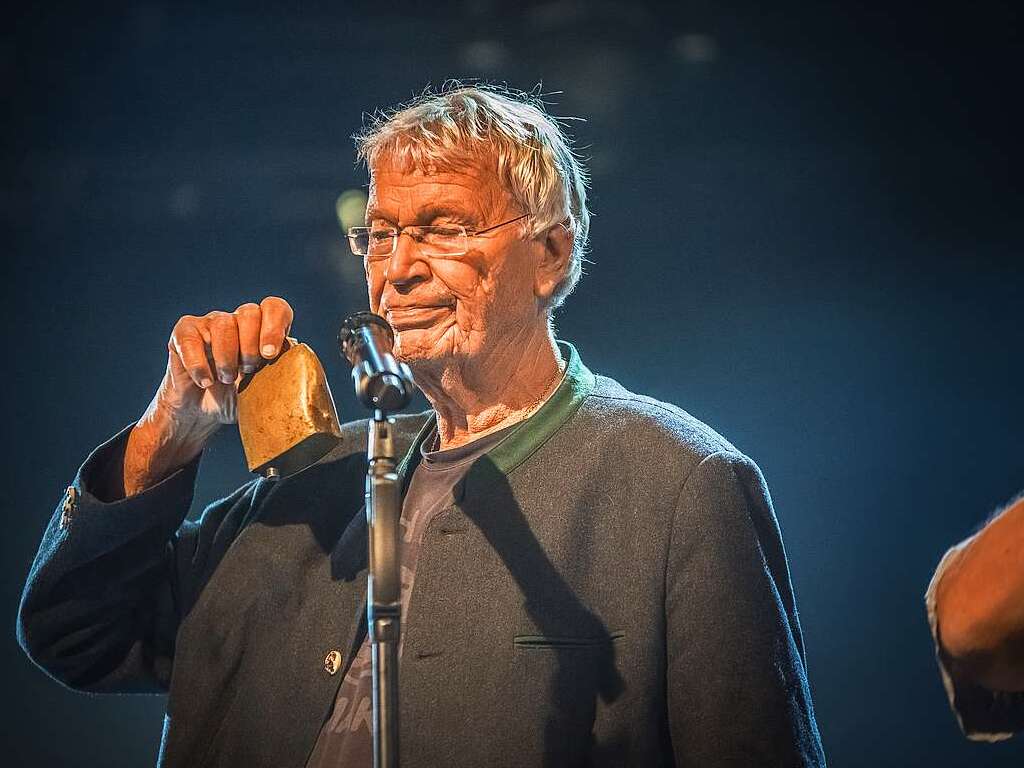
332	662
69	506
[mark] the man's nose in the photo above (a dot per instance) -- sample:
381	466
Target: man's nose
407	266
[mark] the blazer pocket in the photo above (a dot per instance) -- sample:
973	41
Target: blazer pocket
566	642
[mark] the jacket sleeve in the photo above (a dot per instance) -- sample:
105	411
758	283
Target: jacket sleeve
114	576
737	686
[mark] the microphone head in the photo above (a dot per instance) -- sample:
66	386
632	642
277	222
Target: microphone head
382	383
350	335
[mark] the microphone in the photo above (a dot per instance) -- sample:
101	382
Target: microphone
382	383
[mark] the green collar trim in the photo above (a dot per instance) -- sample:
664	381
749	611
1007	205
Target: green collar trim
577	383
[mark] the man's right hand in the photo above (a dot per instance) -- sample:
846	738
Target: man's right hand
206	358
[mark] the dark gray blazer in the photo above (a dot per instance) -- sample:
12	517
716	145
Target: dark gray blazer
609	589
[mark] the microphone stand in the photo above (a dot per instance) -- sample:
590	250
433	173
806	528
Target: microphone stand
384	586
383	385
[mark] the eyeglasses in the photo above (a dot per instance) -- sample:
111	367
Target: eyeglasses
378	243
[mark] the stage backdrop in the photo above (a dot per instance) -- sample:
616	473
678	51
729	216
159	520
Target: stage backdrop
806	233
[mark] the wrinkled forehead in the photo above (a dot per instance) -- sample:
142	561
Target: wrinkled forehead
476	171
410	160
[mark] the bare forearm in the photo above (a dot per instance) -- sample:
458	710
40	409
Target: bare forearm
980	603
158	446
207	356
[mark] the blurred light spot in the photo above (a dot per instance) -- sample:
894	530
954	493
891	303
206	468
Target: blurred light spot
696	48
351	208
559	13
484	55
184	201
607	75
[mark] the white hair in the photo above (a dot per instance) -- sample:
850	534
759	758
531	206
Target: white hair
534	156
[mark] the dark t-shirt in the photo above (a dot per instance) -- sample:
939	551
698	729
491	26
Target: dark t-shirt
346	739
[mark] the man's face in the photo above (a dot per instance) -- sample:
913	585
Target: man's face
442	308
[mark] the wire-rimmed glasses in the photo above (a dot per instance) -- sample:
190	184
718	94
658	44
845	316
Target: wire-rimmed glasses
444	241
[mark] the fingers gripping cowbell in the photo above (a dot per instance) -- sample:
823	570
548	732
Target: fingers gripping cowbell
286	414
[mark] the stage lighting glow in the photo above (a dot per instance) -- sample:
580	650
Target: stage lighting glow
484	55
696	48
351	208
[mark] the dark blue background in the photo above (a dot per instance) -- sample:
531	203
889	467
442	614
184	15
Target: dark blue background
807	232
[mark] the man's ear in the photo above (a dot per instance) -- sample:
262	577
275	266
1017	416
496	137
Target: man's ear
554	262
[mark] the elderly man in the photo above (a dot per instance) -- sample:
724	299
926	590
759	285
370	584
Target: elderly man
592	577
975	607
